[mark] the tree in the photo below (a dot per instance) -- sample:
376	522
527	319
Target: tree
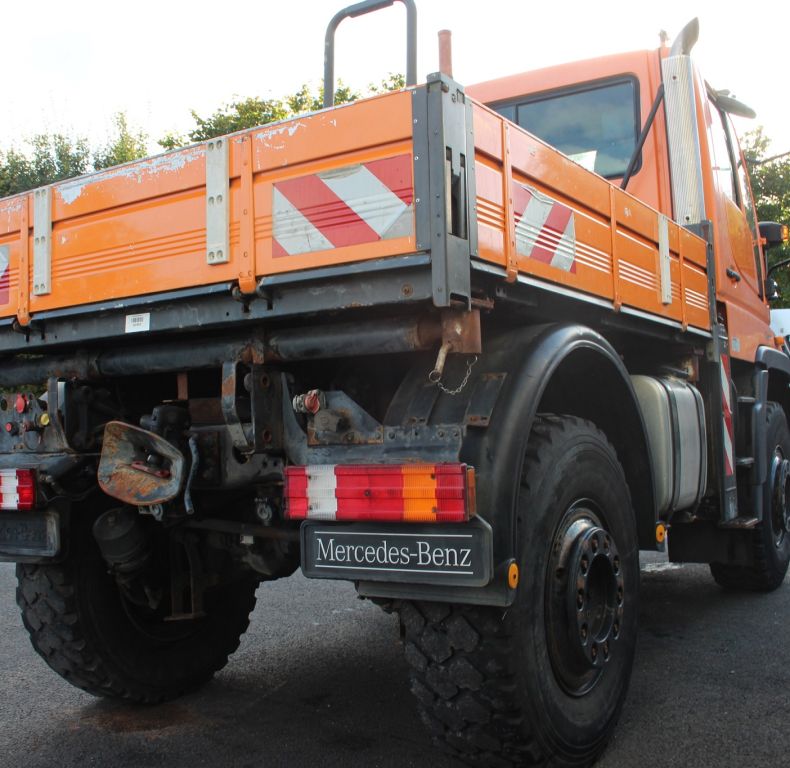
48	158
770	177
254	111
53	157
393	82
235	116
127	145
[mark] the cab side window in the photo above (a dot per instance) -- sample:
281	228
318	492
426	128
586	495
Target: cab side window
723	166
596	124
744	196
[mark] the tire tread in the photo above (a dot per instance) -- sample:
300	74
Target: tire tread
476	716
48	601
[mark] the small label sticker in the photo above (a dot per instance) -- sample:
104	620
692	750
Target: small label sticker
136	323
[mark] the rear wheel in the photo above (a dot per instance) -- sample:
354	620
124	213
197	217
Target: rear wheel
771	538
542	683
89	631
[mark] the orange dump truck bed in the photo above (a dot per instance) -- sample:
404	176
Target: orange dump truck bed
380	178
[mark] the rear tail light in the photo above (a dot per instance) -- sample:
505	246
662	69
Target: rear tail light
424	493
17	489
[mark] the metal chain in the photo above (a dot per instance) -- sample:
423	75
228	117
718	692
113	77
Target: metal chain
460	387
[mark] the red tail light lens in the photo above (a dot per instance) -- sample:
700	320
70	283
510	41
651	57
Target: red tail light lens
425	493
17	489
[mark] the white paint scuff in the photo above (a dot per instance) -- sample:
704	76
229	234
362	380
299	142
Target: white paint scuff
170	162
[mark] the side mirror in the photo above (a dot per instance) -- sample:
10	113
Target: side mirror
772	292
774	234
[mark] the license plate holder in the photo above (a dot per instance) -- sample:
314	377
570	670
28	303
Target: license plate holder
443	554
29	534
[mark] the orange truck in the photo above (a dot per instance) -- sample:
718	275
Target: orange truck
469	348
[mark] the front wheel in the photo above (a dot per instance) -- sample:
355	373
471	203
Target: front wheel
542	683
771	538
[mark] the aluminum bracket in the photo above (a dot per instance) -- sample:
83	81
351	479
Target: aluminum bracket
217	202
664	260
42	241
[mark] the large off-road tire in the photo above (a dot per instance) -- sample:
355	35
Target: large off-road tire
771	538
524	686
92	636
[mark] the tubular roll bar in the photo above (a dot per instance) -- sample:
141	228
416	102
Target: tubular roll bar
359	9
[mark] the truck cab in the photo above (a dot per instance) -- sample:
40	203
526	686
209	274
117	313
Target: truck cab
594	112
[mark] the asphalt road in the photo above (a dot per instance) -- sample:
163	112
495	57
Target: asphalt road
320	681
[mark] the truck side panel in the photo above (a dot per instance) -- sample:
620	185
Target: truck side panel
343	178
566	225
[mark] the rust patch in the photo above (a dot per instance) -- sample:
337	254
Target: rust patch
461	329
124	450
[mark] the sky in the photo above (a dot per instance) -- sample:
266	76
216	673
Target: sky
69	66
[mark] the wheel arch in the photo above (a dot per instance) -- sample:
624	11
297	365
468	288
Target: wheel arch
568	369
777	364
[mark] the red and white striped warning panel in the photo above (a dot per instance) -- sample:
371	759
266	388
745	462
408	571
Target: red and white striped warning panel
5	282
545	228
726	406
353	205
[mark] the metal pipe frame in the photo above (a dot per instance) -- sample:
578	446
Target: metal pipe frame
359	9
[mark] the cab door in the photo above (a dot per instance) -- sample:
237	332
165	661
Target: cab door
739	257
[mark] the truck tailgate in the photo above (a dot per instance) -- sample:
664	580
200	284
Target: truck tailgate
326	188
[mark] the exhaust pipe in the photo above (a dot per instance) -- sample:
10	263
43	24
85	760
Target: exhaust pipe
446	52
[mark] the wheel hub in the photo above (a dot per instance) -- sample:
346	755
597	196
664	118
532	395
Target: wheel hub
585	599
595	595
780	497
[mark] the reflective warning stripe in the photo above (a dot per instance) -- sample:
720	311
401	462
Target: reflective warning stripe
16	489
5	277
321	492
293	233
545	228
356	204
726	407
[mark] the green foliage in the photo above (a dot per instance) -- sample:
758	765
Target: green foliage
52	157
237	116
47	158
771	187
393	82
127	145
254	111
